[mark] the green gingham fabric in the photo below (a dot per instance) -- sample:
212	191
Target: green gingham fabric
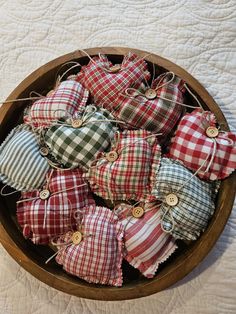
21	165
196	200
74	147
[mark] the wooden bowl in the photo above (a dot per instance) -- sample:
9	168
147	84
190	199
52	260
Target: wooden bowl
33	257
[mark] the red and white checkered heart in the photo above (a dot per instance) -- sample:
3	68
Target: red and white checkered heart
95	251
43	218
106	81
199	143
65	100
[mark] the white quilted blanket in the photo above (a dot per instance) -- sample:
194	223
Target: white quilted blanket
197	35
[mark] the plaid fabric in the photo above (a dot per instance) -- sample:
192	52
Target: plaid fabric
105	86
75	147
21	165
98	257
69	97
66	197
195	207
146	244
132	175
155	115
192	146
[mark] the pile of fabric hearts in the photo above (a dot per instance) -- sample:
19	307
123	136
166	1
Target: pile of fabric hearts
112	132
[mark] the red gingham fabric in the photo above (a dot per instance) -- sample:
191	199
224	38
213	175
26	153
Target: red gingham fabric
146	244
105	86
133	174
155	115
67	98
98	257
191	146
60	206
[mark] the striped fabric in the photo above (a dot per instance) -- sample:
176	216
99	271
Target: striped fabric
105	86
66	196
21	165
191	145
146	244
67	98
195	200
98	257
75	147
132	174
155	115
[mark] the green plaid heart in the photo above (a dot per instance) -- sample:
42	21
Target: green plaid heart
186	219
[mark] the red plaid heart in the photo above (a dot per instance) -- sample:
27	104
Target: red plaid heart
69	97
146	244
155	115
105	85
133	173
192	146
66	196
98	257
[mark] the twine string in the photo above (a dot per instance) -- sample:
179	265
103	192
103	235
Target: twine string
6	194
64	246
134	93
68	70
75	64
107	69
36	93
61	191
19	99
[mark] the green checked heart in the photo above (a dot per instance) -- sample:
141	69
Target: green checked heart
79	146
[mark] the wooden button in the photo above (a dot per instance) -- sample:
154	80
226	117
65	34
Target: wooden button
150	93
137	212
50	92
212	131
77	237
44	151
44	194
115	68
112	155
172	199
76	123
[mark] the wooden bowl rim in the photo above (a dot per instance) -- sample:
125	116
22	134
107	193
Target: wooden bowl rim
170	274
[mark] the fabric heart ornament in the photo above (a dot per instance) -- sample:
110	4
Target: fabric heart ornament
21	165
78	143
199	143
106	81
94	252
128	171
66	99
156	108
187	201
50	212
146	244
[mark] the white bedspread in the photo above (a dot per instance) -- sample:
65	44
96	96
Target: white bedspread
200	36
